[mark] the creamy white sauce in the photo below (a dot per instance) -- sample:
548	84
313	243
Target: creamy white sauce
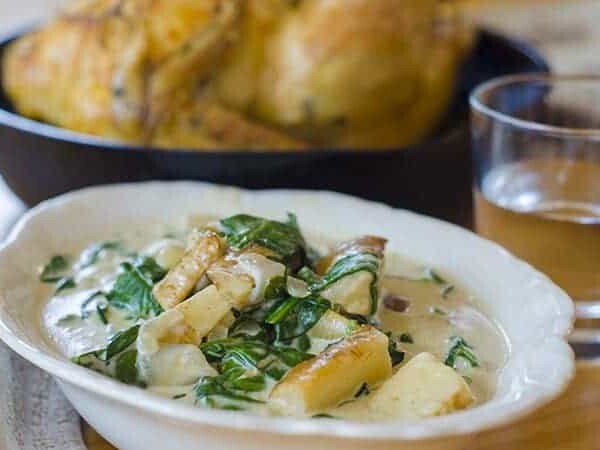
431	318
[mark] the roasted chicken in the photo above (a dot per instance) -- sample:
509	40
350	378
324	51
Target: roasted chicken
241	74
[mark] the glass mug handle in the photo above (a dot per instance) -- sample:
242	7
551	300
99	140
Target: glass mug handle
586	340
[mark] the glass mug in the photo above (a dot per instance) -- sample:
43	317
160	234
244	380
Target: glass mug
536	154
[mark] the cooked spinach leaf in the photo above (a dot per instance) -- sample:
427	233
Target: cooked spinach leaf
55	269
243	366
126	369
281	310
133	291
285	239
346	266
397	356
216	350
290	356
303	342
238	362
358	318
90	304
150	268
459	348
293	317
276	288
118	359
120	341
249	353
308	275
212	391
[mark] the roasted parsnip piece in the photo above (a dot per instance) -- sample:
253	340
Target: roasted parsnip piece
188	322
244	278
353	293
351	273
332	326
424	387
203	249
174	365
334	375
203	311
174	336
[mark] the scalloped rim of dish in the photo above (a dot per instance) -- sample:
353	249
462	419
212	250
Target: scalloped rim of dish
493	413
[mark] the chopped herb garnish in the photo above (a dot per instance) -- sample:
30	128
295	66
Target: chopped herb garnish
178	396
102	311
364	390
438	311
459	348
358	318
446	290
55	269
431	275
64	283
406	338
397	356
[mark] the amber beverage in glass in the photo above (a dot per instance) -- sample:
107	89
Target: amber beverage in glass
536	153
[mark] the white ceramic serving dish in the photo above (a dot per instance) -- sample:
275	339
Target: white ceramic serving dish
535	314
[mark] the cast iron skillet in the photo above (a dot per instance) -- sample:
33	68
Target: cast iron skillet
39	161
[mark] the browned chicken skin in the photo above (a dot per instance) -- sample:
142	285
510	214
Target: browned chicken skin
250	74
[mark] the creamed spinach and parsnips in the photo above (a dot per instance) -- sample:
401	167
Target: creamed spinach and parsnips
246	314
